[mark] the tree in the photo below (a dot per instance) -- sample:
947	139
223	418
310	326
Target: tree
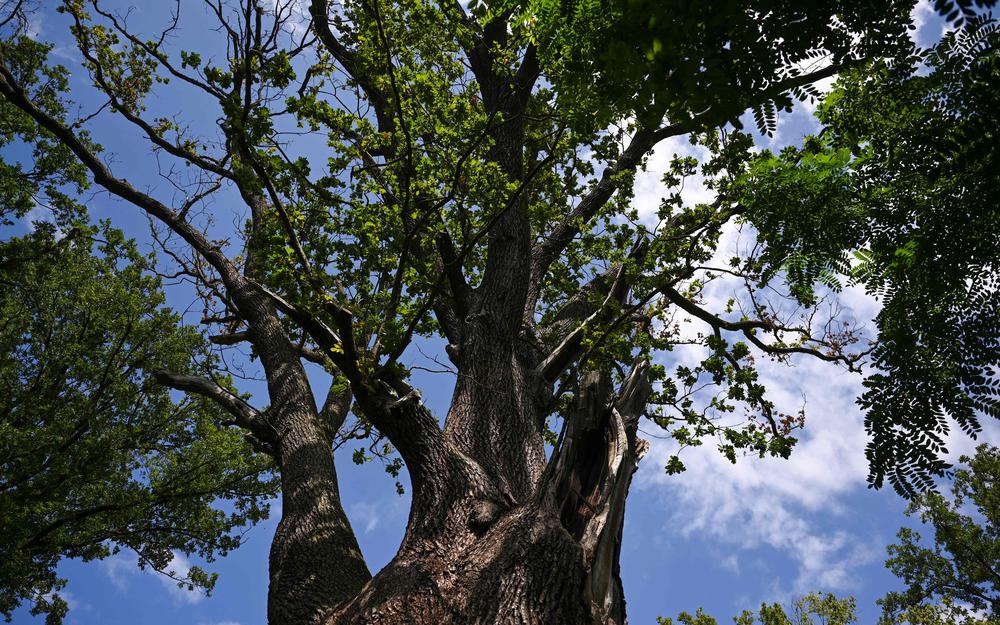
812	609
472	185
94	455
957	580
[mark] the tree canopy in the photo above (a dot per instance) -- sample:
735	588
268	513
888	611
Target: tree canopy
899	193
338	184
956	580
95	455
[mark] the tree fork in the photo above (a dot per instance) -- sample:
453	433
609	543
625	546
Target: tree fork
552	558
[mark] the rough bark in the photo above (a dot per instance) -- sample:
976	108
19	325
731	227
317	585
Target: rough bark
498	532
550	557
315	561
482	545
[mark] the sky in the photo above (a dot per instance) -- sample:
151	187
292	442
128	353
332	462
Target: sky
720	536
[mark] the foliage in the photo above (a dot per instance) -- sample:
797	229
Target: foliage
811	609
899	193
956	580
609	58
54	177
357	234
95	457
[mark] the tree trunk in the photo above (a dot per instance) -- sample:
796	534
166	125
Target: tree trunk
315	562
313	532
498	533
483	553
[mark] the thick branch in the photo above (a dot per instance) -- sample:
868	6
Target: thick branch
245	415
336	406
320	11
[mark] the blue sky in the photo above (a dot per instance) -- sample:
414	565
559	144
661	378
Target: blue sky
718	536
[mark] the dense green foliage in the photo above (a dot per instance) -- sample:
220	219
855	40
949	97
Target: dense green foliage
393	241
701	61
398	172
899	192
51	174
957	580
96	457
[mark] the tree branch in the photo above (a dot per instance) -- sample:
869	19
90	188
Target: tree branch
245	415
747	327
319	11
644	140
103	176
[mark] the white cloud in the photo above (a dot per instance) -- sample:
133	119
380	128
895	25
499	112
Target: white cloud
122	567
777	504
365	515
731	563
119	568
179	568
34	28
37	214
649	189
295	14
797	508
930	26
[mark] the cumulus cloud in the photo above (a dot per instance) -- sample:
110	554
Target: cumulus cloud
781	504
790	507
930	26
801	508
649	189
119	569
39	214
179	568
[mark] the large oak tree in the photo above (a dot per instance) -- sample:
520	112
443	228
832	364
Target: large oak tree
419	171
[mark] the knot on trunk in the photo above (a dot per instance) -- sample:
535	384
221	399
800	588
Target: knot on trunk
484	514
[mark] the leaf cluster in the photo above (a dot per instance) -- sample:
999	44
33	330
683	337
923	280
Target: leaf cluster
899	194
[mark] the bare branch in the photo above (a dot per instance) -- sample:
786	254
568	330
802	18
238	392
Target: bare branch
245	415
748	327
104	177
